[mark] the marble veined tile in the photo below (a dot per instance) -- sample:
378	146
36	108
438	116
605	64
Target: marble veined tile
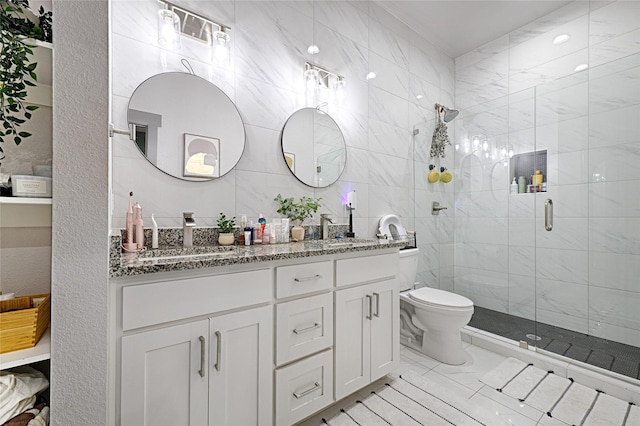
613	20
563	297
615	49
385	199
266	105
482	230
522	295
614	270
549	23
483	52
563	265
569	201
483	73
615	91
567	168
615	307
563	136
388	170
423	93
389	77
522	232
613	332
614	163
424	64
558	319
552	75
565	104
389	108
612	199
482	94
567	233
388	44
340	54
262	152
483	256
616	126
357	166
137	20
390	140
480	204
343	17
615	235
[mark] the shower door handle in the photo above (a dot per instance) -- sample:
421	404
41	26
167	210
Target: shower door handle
548	214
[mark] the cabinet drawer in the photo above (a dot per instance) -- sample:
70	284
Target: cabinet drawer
300	279
150	304
304	388
365	269
303	326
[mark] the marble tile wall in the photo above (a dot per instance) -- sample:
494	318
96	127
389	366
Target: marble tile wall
264	79
523	91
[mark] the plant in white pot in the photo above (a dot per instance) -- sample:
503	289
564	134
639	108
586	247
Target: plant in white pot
226	229
297	212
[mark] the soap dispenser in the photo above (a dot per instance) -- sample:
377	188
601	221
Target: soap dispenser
514	186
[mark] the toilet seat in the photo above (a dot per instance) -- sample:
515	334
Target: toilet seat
439	298
391	226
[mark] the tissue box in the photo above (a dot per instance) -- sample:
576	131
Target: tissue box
31	186
23	321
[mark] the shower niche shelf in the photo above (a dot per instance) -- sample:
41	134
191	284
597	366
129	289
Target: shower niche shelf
526	164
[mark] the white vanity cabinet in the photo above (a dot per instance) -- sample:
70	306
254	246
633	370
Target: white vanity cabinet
367	344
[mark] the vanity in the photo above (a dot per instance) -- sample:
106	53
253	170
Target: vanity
256	335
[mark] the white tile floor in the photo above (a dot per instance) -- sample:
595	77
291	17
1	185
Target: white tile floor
460	380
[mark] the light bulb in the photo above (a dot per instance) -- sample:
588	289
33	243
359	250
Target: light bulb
313	49
485	145
476	142
168	29
311	77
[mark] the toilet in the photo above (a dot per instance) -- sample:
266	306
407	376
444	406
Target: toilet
430	319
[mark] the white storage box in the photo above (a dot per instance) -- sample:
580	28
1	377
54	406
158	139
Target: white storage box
31	186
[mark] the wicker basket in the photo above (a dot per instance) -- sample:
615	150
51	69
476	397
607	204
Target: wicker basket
22	324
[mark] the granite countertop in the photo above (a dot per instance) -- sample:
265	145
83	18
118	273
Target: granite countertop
177	259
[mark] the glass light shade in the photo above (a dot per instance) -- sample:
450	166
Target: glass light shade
220	45
168	29
312	79
340	93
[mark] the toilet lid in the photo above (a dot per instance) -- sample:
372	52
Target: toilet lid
440	297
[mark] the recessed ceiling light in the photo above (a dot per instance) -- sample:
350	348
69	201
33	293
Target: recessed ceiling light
371	75
313	49
581	67
419	97
562	38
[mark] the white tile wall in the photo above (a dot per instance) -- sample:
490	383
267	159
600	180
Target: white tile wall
264	79
584	274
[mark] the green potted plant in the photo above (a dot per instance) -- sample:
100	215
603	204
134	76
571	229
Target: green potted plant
226	229
297	212
17	25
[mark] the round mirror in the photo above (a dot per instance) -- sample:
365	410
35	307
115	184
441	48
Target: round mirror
186	126
313	147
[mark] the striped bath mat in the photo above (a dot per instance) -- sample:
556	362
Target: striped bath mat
411	400
559	397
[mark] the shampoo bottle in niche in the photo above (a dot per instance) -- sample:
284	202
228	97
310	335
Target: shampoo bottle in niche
514	187
129	244
522	185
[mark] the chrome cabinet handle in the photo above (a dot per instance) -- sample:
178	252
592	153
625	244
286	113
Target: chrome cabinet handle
305	330
368	296
377	296
548	214
303	279
316	385
202	355
218	363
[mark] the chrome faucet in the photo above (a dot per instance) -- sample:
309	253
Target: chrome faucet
325	220
188	223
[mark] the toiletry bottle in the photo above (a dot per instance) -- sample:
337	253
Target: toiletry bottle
265	234
243	225
258	238
522	185
247	236
272	235
514	187
129	245
536	179
139	227
154	232
262	222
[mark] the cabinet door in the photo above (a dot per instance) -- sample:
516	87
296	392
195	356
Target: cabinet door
385	328
164	378
352	340
241	368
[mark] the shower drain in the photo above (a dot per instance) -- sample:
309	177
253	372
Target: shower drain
533	337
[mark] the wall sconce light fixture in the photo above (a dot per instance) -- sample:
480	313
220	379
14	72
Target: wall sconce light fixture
175	21
316	77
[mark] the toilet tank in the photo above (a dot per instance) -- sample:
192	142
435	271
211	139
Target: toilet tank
408	268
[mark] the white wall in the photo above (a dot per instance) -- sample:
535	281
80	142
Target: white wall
79	353
522	90
264	79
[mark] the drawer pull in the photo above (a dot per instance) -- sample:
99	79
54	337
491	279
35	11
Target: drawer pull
316	385
370	299
304	330
303	279
377	296
202	355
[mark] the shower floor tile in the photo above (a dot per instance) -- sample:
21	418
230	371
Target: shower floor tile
612	356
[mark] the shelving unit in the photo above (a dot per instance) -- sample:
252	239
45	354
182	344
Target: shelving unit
39	352
25	200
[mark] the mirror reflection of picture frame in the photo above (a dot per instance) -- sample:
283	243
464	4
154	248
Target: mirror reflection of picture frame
201	156
290	158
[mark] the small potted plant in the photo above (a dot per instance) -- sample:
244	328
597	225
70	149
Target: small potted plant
226	228
297	212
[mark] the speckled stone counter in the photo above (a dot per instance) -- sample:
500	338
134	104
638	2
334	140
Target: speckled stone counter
177	259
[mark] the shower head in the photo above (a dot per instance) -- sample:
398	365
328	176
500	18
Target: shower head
448	114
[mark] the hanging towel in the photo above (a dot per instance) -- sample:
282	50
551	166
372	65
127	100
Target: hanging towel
18	390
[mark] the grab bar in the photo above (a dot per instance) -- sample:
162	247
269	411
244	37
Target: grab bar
548	214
